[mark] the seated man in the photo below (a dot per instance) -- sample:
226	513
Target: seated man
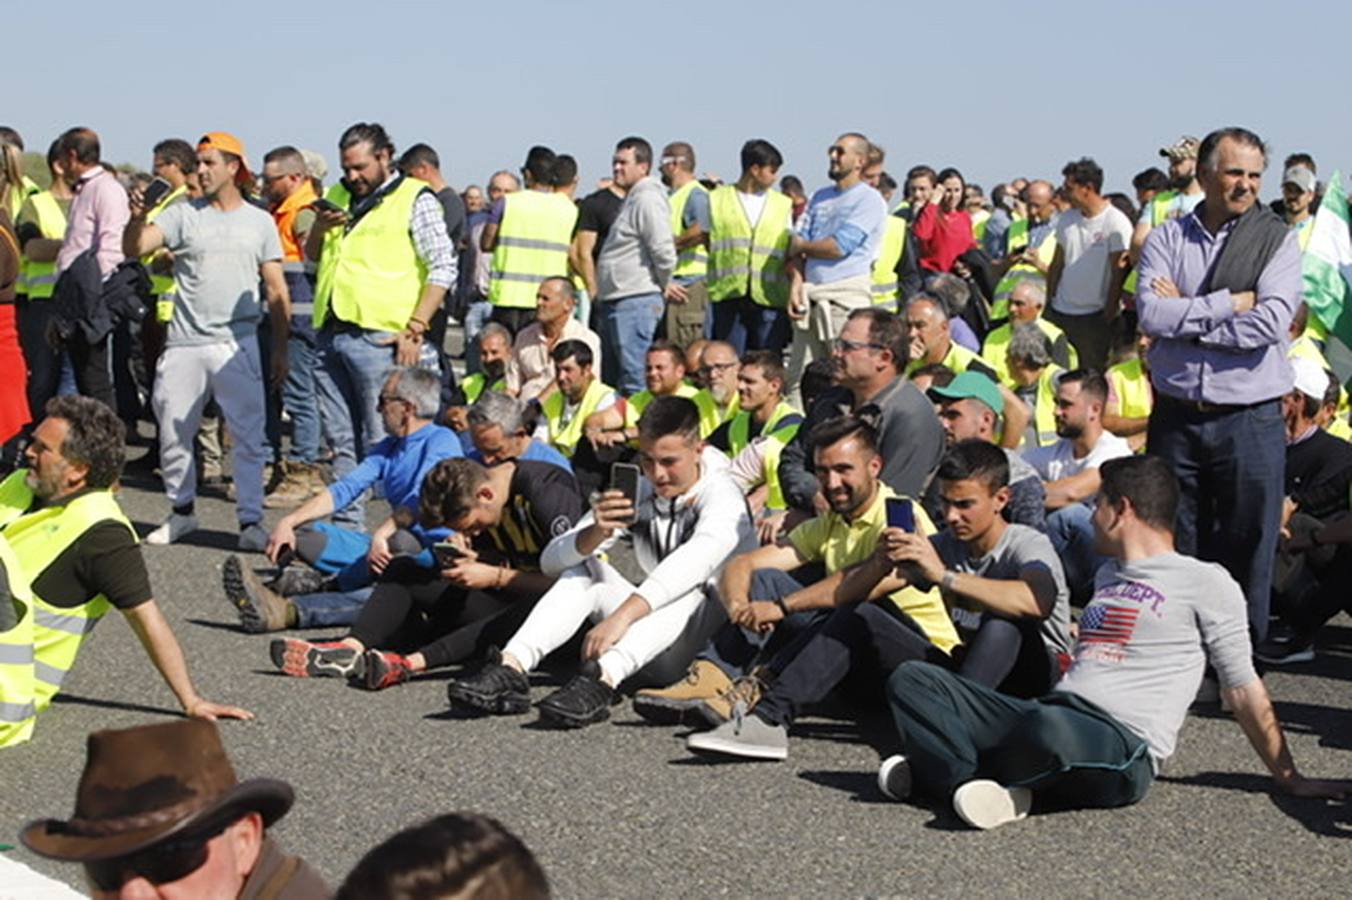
331	582
159	813
79	555
810	635
579	394
1070	473
717	371
1033	373
503	515
1131	396
530	368
495	348
500	427
1026	302
970	408
931	338
1156	620
762	413
664	373
690	518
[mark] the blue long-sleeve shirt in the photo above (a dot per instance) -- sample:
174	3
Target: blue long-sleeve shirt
399	465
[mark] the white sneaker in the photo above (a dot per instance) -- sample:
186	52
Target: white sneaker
988	804
894	778
174	527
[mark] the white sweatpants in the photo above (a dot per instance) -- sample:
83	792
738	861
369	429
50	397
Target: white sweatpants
594	590
233	374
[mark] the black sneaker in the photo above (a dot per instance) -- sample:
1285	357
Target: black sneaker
494	689
582	701
299	579
1284	649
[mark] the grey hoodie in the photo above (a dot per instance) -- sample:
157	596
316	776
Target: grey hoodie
640	251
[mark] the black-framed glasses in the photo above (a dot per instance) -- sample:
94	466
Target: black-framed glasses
385	400
711	368
845	345
162	864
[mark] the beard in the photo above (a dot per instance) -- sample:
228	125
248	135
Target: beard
494	369
1069	431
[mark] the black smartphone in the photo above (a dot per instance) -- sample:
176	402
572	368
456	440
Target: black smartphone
900	514
324	205
624	478
447	554
156	191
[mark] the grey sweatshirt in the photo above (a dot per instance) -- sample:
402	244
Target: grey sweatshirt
640	251
1146	637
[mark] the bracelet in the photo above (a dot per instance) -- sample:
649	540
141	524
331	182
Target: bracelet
412	319
947	581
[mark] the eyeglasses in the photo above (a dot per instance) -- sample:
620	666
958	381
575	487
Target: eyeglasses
711	368
848	346
162	864
386	399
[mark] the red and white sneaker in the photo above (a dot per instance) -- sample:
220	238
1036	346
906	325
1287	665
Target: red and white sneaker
316	659
383	669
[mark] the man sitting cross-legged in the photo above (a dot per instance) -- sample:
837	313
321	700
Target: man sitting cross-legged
690	518
329	581
1156	620
504	514
810	635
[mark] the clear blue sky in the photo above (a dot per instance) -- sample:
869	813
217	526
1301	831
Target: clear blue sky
998	89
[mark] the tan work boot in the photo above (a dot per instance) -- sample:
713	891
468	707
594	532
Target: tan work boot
669	705
259	608
746	691
296	485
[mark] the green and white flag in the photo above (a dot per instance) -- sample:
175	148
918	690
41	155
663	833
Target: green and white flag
1327	263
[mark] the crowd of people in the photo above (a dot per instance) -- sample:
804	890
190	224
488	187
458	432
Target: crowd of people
1029	471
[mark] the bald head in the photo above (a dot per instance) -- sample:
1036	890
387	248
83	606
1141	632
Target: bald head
849	157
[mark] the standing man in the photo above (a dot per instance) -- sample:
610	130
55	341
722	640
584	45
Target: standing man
595	215
385	264
39	228
837	242
1085	280
422	162
290	197
530	368
475	265
751	225
222	247
1218	290
1298	196
690	225
1182	196
98	216
634	268
528	233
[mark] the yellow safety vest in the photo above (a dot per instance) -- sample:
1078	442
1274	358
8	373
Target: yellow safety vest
18	193
886	290
1016	239
979	223
710	416
473	386
957	359
692	262
563	437
1131	383
1159	209
37	280
776	439
163	287
18	711
746	261
532	245
994	350
370	274
37	539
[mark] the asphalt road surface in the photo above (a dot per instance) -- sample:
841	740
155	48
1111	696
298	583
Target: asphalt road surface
622	810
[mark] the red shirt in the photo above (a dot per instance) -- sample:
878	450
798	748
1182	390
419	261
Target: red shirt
942	237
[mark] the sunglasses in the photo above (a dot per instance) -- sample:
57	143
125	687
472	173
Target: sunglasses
162	864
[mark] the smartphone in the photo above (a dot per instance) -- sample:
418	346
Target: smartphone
324	205
900	514
447	554
624	478
156	191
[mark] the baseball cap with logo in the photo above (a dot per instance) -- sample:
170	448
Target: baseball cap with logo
1184	148
1301	177
228	143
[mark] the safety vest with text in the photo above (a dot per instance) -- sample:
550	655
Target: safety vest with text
692	262
370	274
747	261
532	245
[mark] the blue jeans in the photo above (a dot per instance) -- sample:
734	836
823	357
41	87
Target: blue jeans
330	608
746	324
298	391
353	364
1230	466
627	329
1071	530
737	651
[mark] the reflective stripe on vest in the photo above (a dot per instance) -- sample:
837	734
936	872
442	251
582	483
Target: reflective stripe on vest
994	352
18	708
746	261
1044	411
162	285
564	438
532	245
692	262
1017	238
37	280
37	539
885	287
370	274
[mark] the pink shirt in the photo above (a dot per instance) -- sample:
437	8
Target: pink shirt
530	370
98	216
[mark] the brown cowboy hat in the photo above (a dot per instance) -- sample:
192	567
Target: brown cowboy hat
143	785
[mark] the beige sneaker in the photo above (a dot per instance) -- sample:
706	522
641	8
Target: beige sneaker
669	705
747	691
296	484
